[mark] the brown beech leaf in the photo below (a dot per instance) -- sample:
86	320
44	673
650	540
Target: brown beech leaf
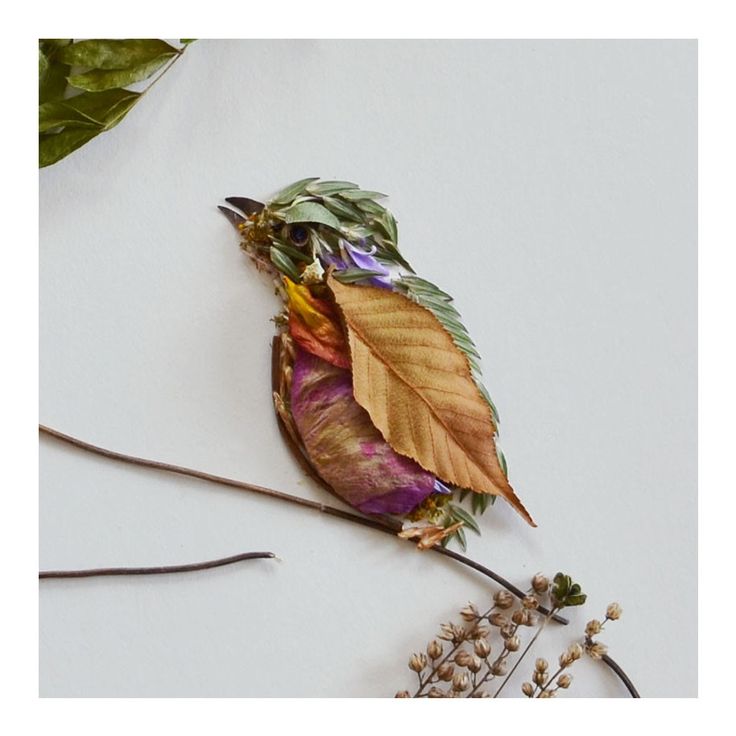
417	386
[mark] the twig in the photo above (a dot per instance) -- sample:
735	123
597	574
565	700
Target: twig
616	667
383	526
99	571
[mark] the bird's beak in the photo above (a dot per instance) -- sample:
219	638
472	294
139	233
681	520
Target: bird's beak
245	205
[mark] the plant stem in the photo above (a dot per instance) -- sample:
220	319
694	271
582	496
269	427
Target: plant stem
382	525
622	675
526	649
100	571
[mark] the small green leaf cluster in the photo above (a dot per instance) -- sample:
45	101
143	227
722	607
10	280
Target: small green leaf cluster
333	210
565	593
76	107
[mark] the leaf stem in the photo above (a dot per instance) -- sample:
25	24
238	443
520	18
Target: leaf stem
380	525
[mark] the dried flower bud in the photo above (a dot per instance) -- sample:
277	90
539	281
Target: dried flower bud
529	602
498	619
527	688
402	694
470	613
475	665
462	658
546	694
596	650
519	616
592	628
418	662
614	611
446	632
445	672
435	692
460	682
541	665
507	631
564	680
481	694
479	632
434	649
540	678
482	648
575	650
498	668
540	583
513	643
503	599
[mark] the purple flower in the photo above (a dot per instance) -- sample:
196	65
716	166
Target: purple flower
352	256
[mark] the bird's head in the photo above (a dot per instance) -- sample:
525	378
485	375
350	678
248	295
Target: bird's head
312	226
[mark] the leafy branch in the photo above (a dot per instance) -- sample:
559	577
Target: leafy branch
82	87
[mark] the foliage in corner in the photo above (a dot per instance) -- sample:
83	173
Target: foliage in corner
82	87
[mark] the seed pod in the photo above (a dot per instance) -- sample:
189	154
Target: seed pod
470	613
418	662
503	599
527	688
445	672
498	619
540	583
463	658
434	649
592	628
564	680
541	665
529	602
513	643
499	668
460	682
435	692
475	664
614	611
482	648
402	694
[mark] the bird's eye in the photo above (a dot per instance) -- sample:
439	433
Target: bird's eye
298	234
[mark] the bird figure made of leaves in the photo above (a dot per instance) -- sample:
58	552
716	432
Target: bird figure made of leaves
376	383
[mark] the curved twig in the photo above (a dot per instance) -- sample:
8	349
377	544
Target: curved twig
616	667
164	570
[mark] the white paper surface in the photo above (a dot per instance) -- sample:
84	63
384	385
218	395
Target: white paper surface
549	186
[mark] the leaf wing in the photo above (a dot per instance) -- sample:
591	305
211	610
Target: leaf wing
418	388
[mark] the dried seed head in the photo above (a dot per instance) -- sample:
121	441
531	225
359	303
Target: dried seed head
503	599
470	613
402	694
498	668
475	665
482	648
530	619
541	665
519	616
564	680
434	649
507	631
614	611
529	602
595	649
575	650
418	662
446	632
479	632
435	692
546	694
592	628
460	682
463	658
498	619
445	672
540	678
513	643
540	583
527	688
481	694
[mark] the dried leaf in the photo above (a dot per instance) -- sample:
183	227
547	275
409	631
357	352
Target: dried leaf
417	386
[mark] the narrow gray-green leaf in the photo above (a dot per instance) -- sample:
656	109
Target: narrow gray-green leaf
99	80
351	275
285	195
311	212
54	147
115	54
294	253
357	194
342	209
283	263
460	514
327	188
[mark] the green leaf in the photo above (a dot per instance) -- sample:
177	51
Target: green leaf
283	263
348	212
311	212
351	275
460	534
98	79
502	461
90	109
43	64
371	207
388	221
294	253
187	41
460	514
357	194
115	54
54	147
52	73
57	114
287	194
328	188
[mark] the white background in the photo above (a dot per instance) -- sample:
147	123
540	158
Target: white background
550	186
